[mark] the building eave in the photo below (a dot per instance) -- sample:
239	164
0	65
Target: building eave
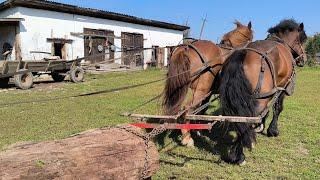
65	8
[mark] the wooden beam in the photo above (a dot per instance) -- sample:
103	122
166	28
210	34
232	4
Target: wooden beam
174	126
11	19
94	35
224	118
198	118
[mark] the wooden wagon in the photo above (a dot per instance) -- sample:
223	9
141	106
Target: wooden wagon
23	71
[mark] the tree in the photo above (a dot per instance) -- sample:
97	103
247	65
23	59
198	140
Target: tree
312	48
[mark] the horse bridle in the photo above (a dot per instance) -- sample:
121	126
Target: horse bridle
291	48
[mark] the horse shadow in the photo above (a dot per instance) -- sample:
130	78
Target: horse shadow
216	141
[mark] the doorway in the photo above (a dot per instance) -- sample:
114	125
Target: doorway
98	45
132	49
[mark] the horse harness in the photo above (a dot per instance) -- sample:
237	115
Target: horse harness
206	67
266	62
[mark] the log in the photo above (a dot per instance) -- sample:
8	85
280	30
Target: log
106	153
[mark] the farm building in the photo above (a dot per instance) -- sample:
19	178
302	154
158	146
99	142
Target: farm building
37	29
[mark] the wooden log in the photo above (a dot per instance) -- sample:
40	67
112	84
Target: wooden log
106	153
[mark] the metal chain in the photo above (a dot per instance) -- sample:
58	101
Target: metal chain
146	138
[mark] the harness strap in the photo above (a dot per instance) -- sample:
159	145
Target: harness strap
265	58
269	94
202	58
261	77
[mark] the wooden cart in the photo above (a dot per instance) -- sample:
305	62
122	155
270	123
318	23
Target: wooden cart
23	71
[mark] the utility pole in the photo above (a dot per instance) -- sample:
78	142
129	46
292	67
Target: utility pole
202	27
186	33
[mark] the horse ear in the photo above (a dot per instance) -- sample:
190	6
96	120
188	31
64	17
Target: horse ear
301	27
249	25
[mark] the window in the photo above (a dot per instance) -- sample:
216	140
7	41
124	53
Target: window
60	47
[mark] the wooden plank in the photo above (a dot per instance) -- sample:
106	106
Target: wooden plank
199	118
95	35
174	126
224	118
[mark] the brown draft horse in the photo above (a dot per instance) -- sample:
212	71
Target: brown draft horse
260	76
186	61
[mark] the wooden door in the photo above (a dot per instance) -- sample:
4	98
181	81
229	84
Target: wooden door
160	56
98	46
132	49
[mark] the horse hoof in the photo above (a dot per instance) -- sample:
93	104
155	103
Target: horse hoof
272	133
243	163
259	129
252	145
188	142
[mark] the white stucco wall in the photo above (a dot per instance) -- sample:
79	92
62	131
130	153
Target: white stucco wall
40	24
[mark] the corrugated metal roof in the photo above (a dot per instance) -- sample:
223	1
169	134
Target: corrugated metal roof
66	8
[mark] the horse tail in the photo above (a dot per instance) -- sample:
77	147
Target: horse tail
236	96
177	83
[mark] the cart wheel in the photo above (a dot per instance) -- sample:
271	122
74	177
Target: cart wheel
4	82
24	81
77	74
57	77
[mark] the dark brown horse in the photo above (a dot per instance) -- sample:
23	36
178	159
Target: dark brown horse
185	63
260	76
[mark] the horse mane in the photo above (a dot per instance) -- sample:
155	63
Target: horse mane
288	25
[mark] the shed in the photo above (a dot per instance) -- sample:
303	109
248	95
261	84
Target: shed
36	29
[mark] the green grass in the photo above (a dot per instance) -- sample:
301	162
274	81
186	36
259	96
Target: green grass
295	154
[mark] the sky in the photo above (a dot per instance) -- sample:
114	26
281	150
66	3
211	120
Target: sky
220	13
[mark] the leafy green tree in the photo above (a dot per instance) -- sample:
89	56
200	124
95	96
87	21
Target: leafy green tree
312	48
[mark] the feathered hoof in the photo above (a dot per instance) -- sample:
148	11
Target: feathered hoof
243	163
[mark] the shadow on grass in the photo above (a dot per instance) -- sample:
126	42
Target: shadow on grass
217	142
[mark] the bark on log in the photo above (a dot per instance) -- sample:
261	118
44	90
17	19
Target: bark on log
106	153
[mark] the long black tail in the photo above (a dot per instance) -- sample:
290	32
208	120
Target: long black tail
236	96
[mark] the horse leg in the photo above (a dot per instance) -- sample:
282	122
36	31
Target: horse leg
236	155
198	99
277	109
